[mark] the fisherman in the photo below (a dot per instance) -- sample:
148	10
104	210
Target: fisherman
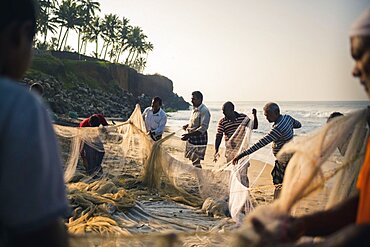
155	119
281	133
196	137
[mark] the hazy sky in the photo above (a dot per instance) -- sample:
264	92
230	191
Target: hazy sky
248	49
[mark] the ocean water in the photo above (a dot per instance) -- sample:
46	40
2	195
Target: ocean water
312	115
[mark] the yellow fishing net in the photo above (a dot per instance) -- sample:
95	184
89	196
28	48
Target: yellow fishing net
142	183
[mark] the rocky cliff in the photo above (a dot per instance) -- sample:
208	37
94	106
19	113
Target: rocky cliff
86	85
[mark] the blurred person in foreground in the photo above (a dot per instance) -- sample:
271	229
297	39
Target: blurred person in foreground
31	177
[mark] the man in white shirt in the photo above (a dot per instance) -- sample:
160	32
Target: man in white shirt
155	119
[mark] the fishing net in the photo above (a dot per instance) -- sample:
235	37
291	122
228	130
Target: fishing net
323	168
140	179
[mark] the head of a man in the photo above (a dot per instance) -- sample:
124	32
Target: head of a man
94	121
271	112
228	109
17	29
334	115
196	98
360	49
156	104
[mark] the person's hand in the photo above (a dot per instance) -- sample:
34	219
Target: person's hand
289	229
254	111
216	156
185	126
185	137
235	160
152	135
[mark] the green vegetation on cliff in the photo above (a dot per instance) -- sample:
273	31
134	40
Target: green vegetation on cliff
74	71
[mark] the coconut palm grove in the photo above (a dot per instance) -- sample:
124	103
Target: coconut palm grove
114	37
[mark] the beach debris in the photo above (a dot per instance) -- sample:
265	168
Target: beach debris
216	208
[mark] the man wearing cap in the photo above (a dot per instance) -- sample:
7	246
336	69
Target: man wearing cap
348	224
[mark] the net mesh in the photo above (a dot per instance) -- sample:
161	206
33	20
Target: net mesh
107	205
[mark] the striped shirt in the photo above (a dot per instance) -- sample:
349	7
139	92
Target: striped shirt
227	127
281	133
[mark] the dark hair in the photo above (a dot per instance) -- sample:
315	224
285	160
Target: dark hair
198	95
229	104
37	87
157	99
334	115
94	121
17	11
272	107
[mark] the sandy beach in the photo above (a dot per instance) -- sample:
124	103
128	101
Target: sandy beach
155	211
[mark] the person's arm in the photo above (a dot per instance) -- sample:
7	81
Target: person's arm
353	235
255	121
85	123
205	117
144	113
218	142
204	122
219	135
296	124
324	223
272	136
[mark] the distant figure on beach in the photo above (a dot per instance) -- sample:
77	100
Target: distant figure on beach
37	88
92	154
102	121
31	176
155	119
196	137
227	127
281	133
348	223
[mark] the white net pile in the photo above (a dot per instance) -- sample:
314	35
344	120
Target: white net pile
136	169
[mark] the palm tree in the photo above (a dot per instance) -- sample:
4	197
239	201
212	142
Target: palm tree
110	26
45	22
68	15
137	44
92	34
124	33
134	39
88	9
139	64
